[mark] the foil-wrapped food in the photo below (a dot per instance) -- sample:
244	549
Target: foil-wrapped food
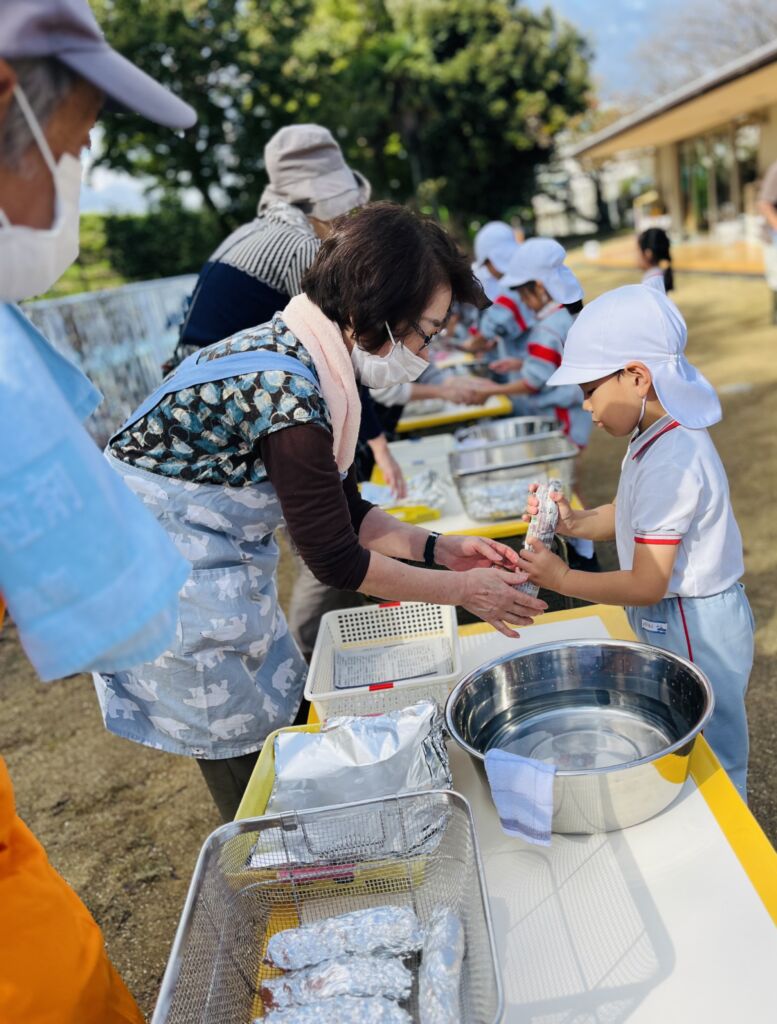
387	930
542	525
496	499
439	999
345	976
340	1010
361	758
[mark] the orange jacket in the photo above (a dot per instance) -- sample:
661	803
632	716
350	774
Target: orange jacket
53	964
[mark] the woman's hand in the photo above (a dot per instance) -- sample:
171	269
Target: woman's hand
389	467
462	391
505	365
491	595
567	517
543	567
464	553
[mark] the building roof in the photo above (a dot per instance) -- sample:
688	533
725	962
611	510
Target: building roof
741	87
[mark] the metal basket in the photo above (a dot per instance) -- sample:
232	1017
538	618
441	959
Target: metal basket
316	864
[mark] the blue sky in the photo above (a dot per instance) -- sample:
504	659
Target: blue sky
613	27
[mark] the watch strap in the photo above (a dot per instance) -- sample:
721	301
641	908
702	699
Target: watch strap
431	543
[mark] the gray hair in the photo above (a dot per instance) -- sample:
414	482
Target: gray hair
46	82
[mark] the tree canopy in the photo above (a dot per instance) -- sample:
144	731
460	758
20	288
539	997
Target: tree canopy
451	103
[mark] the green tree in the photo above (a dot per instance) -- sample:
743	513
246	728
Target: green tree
453	103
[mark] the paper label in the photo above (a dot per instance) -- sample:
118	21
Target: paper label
654	627
389	663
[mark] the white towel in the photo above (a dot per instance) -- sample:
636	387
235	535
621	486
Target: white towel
522	791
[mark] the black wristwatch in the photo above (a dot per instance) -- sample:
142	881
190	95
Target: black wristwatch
431	542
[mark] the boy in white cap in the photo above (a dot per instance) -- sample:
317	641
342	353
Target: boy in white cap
554	295
679	546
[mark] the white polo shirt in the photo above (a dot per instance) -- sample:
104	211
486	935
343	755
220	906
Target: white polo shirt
673	490
654	278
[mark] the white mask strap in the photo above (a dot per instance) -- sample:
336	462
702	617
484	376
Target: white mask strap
35	129
393	339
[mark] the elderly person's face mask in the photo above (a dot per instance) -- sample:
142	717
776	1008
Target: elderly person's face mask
33	259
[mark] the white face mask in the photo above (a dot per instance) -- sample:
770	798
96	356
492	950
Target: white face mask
32	259
400	366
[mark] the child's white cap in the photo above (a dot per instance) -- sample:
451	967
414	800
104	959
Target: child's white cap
492	237
639	324
542	259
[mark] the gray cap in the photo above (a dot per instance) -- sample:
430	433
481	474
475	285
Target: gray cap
67	30
305	166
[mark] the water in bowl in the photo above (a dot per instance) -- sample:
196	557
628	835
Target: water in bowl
582	730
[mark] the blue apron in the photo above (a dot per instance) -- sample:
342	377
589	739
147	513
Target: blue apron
233	673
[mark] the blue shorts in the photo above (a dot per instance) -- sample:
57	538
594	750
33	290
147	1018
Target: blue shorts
716	633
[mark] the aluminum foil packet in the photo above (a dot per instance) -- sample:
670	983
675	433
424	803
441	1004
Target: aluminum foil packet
497	499
361	758
427	488
542	525
387	930
340	1010
439	998
345	976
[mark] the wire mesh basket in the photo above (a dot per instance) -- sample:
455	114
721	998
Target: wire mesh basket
260	876
391	623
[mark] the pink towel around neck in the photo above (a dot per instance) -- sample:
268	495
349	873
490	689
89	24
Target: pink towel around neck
324	341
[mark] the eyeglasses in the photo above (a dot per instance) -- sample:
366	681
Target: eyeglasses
427	338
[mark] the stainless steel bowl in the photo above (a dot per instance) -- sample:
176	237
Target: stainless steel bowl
618	719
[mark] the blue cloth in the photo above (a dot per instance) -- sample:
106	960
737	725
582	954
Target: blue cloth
522	791
88	575
716	633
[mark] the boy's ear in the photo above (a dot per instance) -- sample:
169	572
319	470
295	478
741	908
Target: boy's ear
643	378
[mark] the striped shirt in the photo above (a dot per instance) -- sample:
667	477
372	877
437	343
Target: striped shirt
250	277
277	247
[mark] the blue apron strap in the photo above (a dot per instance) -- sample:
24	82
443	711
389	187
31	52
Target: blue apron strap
190	373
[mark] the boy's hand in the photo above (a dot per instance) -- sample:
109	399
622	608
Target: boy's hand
542	566
566	514
506	365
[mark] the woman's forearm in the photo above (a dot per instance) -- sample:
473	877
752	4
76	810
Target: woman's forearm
386	577
387	535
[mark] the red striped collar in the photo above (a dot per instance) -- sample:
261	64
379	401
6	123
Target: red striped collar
548	309
652	440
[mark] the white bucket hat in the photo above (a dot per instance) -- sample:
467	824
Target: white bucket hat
306	167
635	323
542	259
492	236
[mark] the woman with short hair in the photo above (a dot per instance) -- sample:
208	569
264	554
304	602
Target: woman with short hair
262	428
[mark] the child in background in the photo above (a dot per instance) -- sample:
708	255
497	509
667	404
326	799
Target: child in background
679	546
654	256
554	295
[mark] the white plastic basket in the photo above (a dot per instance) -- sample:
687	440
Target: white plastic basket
353	628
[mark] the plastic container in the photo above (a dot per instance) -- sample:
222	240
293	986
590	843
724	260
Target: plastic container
372	626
